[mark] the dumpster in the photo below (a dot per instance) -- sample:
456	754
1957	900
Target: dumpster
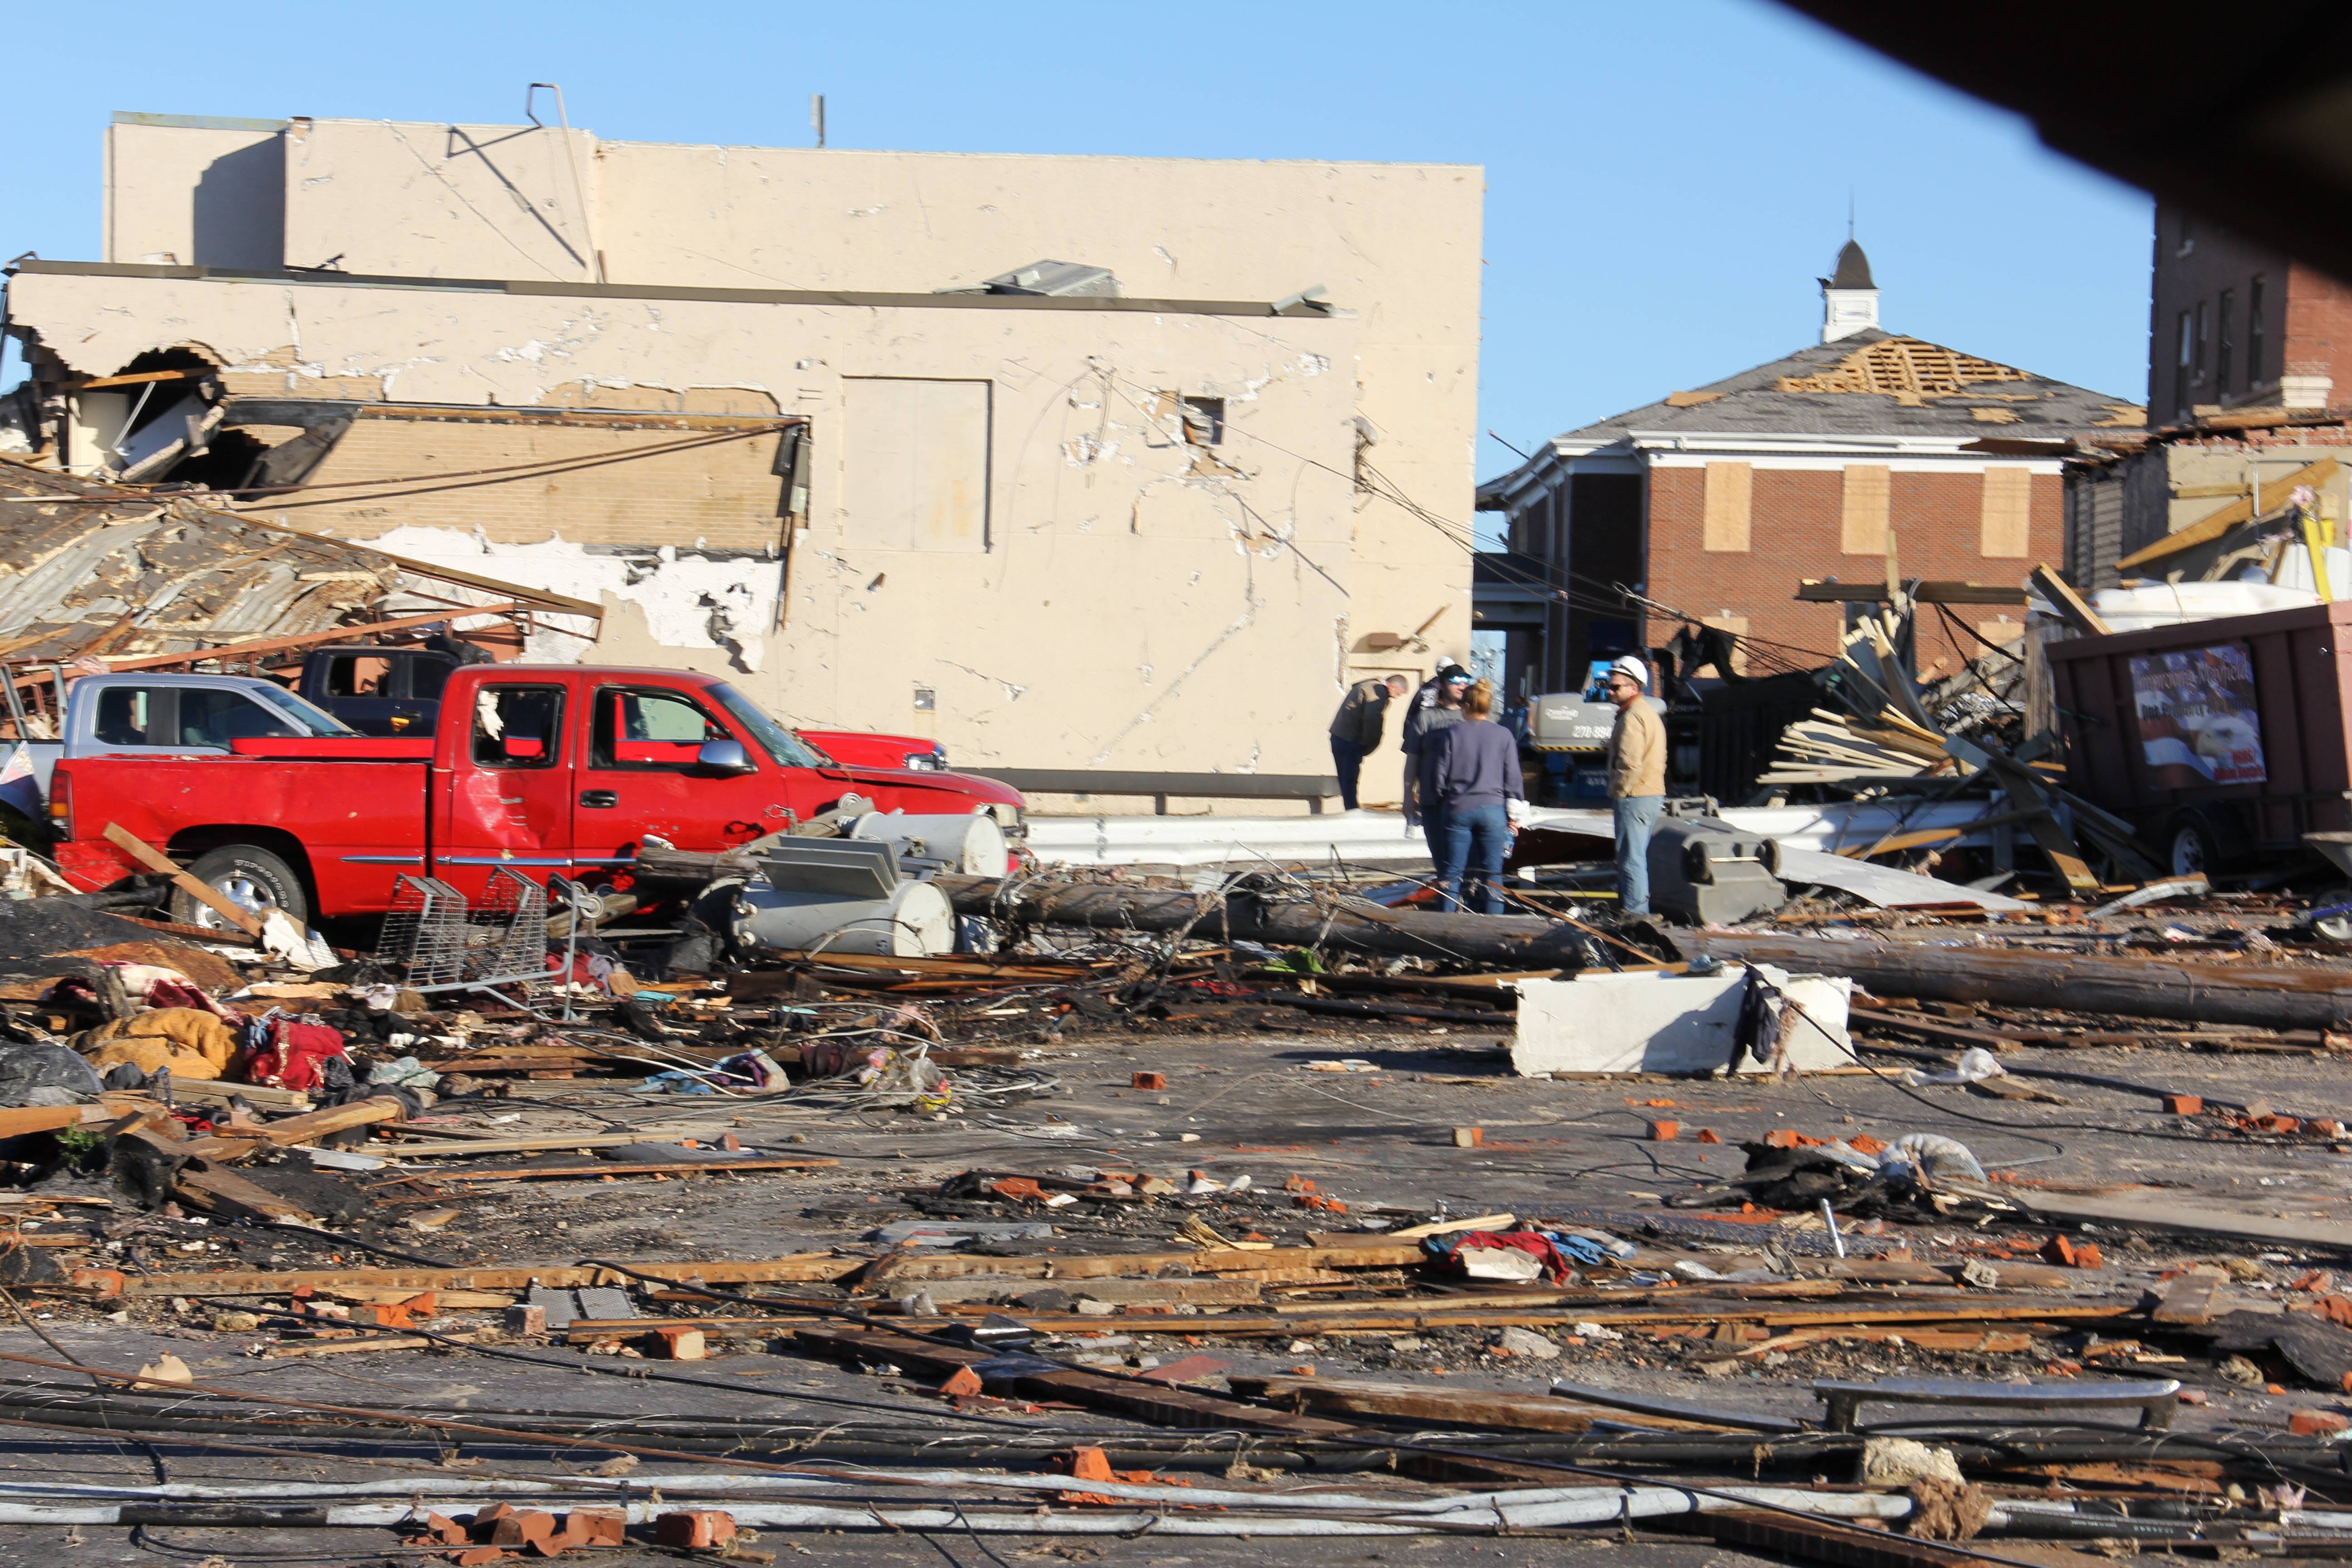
2223	742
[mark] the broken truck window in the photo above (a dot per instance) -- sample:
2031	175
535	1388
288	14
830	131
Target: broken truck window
518	726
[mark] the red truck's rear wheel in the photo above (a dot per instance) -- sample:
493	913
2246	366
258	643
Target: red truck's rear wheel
244	874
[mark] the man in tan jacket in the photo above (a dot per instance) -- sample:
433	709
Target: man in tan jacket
1637	779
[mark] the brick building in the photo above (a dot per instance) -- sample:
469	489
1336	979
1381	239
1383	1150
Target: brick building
1711	504
2234	323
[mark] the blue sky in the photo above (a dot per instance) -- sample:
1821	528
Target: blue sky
1664	180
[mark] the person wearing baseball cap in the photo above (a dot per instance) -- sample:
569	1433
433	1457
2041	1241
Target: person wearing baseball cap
1637	779
1436	706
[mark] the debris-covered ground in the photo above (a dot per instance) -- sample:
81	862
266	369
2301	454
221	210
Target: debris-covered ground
1113	1233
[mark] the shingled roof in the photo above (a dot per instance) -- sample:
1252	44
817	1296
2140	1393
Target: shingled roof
1875	383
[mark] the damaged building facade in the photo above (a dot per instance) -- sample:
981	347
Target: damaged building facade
1867	456
825	421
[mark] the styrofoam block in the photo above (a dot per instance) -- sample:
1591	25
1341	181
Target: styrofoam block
1651	1021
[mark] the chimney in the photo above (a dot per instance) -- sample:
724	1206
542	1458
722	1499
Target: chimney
1849	299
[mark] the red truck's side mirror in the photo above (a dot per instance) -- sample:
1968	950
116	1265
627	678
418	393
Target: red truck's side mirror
723	756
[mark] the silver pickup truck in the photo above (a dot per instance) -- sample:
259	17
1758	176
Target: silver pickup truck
156	714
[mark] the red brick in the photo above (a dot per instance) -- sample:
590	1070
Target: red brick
2184	1104
2316	1423
1664	1132
697	1528
1150	1080
595	1527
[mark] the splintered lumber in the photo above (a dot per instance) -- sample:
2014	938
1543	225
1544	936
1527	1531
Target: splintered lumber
18	1119
631	1168
1158	1402
1139	1265
337	1347
584	1142
2072	607
226	1193
1465	1313
154	859
2135	987
261	1097
800	1267
1162	1404
314	1125
1443	1407
1518	941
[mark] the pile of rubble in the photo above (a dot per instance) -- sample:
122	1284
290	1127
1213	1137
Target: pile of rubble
1166	1194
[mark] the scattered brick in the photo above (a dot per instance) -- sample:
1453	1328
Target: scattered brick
699	1529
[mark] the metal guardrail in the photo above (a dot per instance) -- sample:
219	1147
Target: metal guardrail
1312	788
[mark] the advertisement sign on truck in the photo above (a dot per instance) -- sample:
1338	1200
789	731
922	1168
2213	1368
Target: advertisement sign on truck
2197	722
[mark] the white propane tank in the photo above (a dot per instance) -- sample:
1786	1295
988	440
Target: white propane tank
973	844
914	921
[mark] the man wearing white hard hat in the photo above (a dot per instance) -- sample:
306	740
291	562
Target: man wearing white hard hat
1637	779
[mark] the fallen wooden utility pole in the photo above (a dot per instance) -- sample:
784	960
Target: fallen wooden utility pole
1525	941
2138	988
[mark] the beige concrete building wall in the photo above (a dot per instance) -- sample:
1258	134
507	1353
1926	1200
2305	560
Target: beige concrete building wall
1141	602
1394	245
421	200
184	191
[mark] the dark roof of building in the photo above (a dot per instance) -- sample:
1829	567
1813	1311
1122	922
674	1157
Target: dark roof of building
1852	269
1874	383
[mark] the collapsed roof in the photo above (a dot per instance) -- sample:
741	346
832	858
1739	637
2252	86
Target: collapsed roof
90	569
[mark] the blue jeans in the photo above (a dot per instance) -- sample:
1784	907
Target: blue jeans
1348	761
1476	837
1636	816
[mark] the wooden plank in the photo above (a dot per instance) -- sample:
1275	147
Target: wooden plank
1929	1028
260	1096
154	859
2161	1211
799	1268
313	1125
18	1119
632	1168
1415	1315
1445	1407
2206	529
289	1350
226	1193
1160	1405
2070	605
395	1151
1811	591
344	634
1135	1265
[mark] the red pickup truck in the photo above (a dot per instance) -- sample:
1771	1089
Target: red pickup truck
554	768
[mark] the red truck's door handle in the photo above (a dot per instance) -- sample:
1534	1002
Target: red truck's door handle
599	797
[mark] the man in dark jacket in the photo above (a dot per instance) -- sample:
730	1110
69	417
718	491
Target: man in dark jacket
1356	730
